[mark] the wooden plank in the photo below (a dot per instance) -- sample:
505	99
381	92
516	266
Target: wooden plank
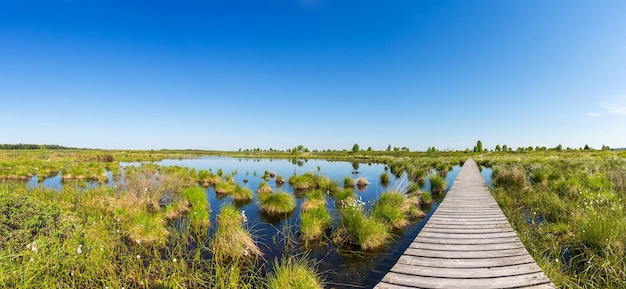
466	247
467	243
425	233
516	281
465	273
465	263
466	254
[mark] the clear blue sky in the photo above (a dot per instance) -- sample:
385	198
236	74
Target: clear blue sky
322	73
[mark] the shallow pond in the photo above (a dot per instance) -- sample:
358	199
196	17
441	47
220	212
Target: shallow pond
340	268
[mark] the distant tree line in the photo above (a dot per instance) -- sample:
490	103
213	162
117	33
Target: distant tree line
22	146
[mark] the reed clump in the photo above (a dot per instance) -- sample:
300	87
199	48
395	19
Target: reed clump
231	240
390	208
357	230
294	273
437	184
277	203
242	194
264	188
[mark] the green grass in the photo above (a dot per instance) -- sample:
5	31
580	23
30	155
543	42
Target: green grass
567	204
348	182
294	273
390	209
357	230
437	184
200	208
277	203
231	240
314	222
327	185
384	179
426	198
307	181
344	197
224	188
264	188
242	194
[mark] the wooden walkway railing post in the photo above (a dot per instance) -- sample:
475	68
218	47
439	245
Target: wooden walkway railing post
467	243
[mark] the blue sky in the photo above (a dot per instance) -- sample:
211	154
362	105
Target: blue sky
325	74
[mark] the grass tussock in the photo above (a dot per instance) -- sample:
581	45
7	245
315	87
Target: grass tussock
348	182
277	203
224	188
200	208
390	208
314	200
426	198
231	240
314	222
264	188
384	179
294	273
307	181
242	194
357	230
437	184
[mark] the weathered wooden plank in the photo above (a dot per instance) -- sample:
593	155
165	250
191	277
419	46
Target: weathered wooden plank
484	272
468	230
466	254
466	247
465	263
516	281
425	233
467	243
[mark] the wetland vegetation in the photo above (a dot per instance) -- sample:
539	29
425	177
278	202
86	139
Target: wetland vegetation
146	225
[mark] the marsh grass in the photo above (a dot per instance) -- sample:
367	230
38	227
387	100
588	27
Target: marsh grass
384	179
314	222
242	194
295	272
264	188
390	208
314	199
348	182
344	198
437	184
357	230
307	181
277	203
200	207
231	240
224	188
426	198
569	216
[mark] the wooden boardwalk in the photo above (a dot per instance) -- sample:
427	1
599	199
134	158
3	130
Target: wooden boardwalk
467	243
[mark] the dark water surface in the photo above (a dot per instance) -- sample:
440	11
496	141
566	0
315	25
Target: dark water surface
278	236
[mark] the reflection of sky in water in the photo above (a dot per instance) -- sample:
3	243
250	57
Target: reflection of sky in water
363	269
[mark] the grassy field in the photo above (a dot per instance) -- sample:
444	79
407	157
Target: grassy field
569	211
567	207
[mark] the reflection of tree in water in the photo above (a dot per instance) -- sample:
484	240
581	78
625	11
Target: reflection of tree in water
355	167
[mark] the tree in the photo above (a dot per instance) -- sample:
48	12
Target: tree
505	148
587	147
369	149
355	148
559	148
389	147
498	148
479	146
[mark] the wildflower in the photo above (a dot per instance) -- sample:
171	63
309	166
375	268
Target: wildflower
138	256
117	231
80	249
138	241
175	260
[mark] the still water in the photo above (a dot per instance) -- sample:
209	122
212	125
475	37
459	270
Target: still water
340	268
